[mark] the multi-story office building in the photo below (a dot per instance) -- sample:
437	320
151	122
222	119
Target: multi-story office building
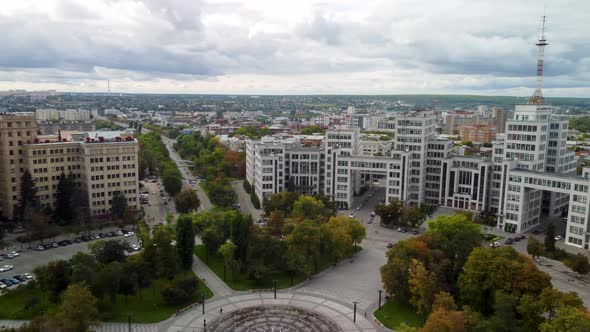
102	163
16	131
528	173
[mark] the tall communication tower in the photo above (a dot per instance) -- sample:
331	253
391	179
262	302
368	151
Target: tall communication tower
537	97
108	88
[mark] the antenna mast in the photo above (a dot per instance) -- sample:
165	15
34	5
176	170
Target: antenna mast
537	97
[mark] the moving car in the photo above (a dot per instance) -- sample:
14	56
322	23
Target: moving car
39	248
389	245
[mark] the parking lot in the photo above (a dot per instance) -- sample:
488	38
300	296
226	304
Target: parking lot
28	259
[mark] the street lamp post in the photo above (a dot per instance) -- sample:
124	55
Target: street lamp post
203	299
129	321
354	313
274	283
224	272
380	291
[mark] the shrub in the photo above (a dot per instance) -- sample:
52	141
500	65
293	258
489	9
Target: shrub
247	186
255	200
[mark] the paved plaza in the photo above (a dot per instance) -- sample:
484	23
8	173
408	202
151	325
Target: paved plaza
329	311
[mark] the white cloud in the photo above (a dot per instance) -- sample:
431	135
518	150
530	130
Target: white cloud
292	46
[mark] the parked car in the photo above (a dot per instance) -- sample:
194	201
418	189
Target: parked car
495	244
415	232
20	278
128	234
3	285
521	237
516	239
6	268
14	253
7	282
14	281
558	237
389	245
508	241
28	276
351	215
119	233
135	247
39	248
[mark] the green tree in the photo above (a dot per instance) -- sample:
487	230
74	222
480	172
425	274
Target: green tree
442	320
444	300
305	243
118	204
531	312
228	251
53	278
456	236
422	287
165	253
254	199
311	130
64	212
109	251
275	223
187	201
534	247
501	269
108	281
568	319
551	299
390	214
578	263
78	311
185	241
28	196
550	238
83	266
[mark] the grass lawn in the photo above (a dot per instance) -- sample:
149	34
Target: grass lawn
393	313
146	307
242	282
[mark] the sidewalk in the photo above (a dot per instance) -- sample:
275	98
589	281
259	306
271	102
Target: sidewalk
215	284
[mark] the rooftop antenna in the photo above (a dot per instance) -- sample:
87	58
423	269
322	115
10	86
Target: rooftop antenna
108	88
537	97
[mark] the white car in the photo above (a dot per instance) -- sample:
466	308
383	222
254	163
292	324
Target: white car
39	248
6	268
129	234
494	244
135	247
2	285
558	237
119	233
28	276
351	215
14	254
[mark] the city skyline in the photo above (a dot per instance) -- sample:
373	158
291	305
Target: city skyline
295	47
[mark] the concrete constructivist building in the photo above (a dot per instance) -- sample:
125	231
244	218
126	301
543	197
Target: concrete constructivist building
101	163
528	173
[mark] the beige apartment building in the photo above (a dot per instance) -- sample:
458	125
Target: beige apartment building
481	133
102	163
16	131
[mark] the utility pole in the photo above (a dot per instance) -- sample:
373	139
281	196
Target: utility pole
354	314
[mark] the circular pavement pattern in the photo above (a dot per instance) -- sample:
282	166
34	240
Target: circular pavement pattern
329	314
280	318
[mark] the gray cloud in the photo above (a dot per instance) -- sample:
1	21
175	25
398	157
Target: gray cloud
489	43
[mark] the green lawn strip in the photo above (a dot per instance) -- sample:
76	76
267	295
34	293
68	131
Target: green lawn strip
394	312
147	307
241	280
13	302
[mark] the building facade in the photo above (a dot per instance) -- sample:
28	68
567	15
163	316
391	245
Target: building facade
101	164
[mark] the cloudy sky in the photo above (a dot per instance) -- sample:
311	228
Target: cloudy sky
294	46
